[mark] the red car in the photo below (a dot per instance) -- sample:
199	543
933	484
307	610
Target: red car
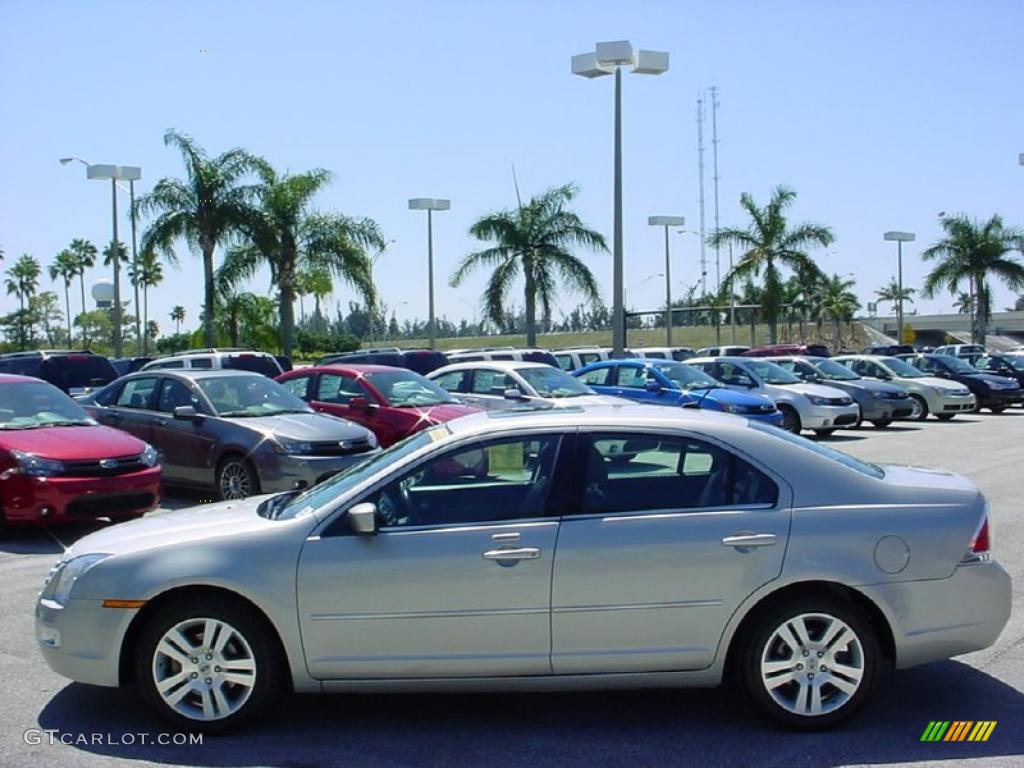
813	350
393	403
57	464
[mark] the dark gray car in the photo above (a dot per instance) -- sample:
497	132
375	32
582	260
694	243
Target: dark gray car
237	432
879	403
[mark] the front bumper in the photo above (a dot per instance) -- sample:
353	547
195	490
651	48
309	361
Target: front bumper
774	418
82	640
954	404
28	499
1000	398
941	618
829	416
286	472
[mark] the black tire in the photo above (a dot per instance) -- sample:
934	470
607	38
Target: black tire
790	419
236	478
944	416
761	643
998	408
267	664
923	405
882	423
823	432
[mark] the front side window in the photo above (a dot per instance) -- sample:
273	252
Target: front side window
633	377
174	394
730	373
451	381
138	393
586	358
631	473
337	389
497	480
297	386
564	362
490	382
598	376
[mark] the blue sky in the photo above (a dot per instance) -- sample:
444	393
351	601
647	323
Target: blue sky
879	114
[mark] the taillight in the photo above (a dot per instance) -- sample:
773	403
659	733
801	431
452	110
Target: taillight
980	544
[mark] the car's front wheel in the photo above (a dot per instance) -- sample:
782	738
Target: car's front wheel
882	423
810	662
236	479
790	419
919	408
207	665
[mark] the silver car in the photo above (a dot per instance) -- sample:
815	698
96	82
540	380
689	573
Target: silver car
519	550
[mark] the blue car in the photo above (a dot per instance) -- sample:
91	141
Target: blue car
663	382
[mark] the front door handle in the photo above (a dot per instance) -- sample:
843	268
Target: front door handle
512	553
744	542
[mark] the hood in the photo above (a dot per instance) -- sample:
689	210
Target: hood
83	443
305	426
435	414
944	385
732	397
818	390
200	523
995	380
873	385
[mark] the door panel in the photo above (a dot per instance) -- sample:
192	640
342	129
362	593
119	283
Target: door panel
644	582
132	410
184	444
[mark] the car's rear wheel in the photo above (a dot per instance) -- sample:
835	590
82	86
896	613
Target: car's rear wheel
207	665
790	419
919	408
810	662
882	423
236	479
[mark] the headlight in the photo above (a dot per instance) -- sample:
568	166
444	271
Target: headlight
815	400
372	439
149	456
62	579
36	466
293	447
731	408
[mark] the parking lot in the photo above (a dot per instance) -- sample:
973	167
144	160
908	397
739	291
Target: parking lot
662	728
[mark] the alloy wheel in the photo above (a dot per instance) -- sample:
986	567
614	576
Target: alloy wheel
235	481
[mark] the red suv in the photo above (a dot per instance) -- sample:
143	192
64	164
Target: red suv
393	403
57	464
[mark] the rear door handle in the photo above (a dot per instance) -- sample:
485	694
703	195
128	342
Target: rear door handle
512	553
747	541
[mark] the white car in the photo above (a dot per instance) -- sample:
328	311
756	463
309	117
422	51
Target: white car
498	384
804	406
679	354
218	359
727	351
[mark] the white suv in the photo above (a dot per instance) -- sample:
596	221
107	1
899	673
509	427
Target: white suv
235	359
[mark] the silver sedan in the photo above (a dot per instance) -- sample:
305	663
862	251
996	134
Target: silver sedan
599	547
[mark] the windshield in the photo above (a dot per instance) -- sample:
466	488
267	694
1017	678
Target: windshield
833	371
770	373
901	369
687	376
346	480
405	389
1014	361
845	459
955	364
250	396
32	405
554	382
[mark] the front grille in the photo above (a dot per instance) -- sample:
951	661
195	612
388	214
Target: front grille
103	504
846	418
838	401
893	395
340	447
899	413
121	465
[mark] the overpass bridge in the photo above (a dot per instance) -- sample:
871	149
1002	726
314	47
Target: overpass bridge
1005	329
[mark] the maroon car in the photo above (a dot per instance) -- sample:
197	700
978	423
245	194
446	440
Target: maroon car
393	403
812	350
57	464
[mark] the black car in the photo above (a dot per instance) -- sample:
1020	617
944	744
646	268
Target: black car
890	350
423	361
75	372
997	393
126	365
1010	366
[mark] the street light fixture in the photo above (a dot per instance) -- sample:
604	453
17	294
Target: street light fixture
609	59
116	173
666	222
430	204
900	238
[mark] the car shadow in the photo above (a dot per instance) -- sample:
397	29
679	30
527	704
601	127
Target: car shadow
41	540
837	437
665	727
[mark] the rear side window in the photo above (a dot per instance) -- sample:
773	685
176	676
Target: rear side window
586	358
628	473
264	364
25	366
201	362
69	371
564	362
501	356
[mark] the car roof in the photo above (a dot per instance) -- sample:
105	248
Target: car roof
12	378
353	368
501	365
193	373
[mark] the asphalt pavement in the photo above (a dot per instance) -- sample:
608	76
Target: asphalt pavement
91	726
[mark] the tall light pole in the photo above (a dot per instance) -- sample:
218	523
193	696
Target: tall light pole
900	238
666	222
609	59
430	204
114	173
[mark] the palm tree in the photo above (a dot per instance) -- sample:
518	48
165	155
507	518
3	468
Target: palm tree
291	238
206	209
85	257
22	281
769	242
964	303
316	282
65	267
534	239
178	316
108	253
974	252
838	302
148	273
891	292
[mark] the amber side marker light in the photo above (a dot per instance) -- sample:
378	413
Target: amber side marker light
123	603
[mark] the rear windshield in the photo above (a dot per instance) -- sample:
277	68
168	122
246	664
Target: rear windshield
424	361
537	356
256	363
824	451
78	371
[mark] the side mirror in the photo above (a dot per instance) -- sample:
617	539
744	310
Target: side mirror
186	412
361	403
514	394
363	518
655	387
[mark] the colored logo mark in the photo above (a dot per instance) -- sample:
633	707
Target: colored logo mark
959	730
